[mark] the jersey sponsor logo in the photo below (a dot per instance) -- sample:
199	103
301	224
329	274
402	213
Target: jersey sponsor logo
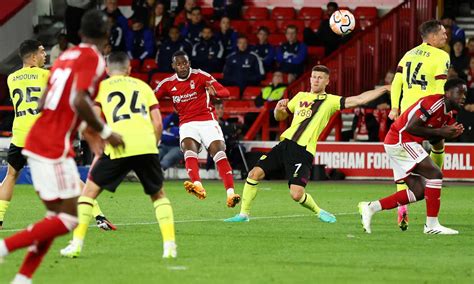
184	98
306	104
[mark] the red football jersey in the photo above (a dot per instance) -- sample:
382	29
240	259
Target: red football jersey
430	109
190	98
79	68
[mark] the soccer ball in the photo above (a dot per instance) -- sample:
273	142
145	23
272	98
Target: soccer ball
342	22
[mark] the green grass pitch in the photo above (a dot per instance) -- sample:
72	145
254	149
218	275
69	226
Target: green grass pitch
284	243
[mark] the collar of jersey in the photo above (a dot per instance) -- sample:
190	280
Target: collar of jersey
189	75
82	44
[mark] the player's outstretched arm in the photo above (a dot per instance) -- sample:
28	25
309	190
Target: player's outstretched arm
214	88
280	112
416	126
366	97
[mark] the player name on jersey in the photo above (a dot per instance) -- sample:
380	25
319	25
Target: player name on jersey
25	77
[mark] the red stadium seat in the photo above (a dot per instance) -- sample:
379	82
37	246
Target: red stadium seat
255	13
217	76
234	92
364	23
314	24
135	64
283	13
299	24
270	24
157	78
141	76
124	2
276	39
315	52
207	12
148	65
242	27
251	92
365	13
310	13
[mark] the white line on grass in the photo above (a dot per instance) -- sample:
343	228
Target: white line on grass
203	220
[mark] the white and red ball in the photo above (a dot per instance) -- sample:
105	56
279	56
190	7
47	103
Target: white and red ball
342	22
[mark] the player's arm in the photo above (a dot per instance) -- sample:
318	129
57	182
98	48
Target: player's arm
281	110
214	88
365	97
156	121
441	74
396	92
416	126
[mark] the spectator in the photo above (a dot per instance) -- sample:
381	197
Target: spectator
470	74
72	18
466	115
170	152
143	9
265	50
61	46
460	59
456	32
227	36
291	55
470	46
184	14
160	23
192	29
227	8
243	67
169	47
207	53
140	43
117	34
112	10
324	36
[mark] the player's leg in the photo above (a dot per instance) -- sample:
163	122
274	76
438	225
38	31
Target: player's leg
16	161
402	218
190	148
437	153
217	151
100	219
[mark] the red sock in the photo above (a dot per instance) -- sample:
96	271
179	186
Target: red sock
395	200
224	168
45	230
34	257
432	197
192	166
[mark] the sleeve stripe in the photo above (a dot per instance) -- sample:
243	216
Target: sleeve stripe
343	103
441	77
155	106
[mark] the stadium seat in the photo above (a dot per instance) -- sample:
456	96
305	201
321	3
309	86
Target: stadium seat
270	24
283	13
255	13
217	76
276	39
157	77
124	2
316	52
242	27
141	76
310	13
283	24
234	92
251	92
135	64
364	23
148	65
207	12
365	13
314	24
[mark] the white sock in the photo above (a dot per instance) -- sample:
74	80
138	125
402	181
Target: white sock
3	249
432	222
21	279
243	215
230	191
375	206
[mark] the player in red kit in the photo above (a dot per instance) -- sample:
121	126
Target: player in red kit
67	101
192	91
430	117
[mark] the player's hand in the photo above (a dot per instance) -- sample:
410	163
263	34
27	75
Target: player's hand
116	141
210	89
394	114
451	131
282	105
96	143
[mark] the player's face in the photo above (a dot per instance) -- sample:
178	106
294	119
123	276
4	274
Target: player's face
440	38
181	66
319	80
457	96
111	5
40	56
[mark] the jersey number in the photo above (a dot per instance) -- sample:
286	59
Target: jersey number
411	78
133	106
28	99
58	81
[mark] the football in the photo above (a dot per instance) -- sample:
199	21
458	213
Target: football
342	22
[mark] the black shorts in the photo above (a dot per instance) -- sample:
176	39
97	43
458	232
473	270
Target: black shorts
108	174
15	158
294	158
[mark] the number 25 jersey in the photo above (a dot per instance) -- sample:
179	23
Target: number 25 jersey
26	88
421	72
80	68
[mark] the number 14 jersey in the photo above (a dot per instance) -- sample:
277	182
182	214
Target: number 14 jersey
126	104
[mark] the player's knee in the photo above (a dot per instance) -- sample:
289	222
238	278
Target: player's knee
256	173
436	174
296	192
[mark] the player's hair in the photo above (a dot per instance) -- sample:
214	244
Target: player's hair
179	53
452	83
118	61
264	29
28	47
94	24
428	27
195	8
333	4
291	27
321	68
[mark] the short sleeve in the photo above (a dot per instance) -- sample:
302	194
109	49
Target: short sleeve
152	102
293	102
89	70
160	90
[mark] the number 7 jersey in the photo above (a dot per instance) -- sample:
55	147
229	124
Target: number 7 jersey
421	72
80	68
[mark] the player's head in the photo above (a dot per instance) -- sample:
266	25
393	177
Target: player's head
319	78
32	53
94	28
455	92
219	106
434	33
118	63
180	64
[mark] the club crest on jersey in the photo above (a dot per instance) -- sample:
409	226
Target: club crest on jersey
191	84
